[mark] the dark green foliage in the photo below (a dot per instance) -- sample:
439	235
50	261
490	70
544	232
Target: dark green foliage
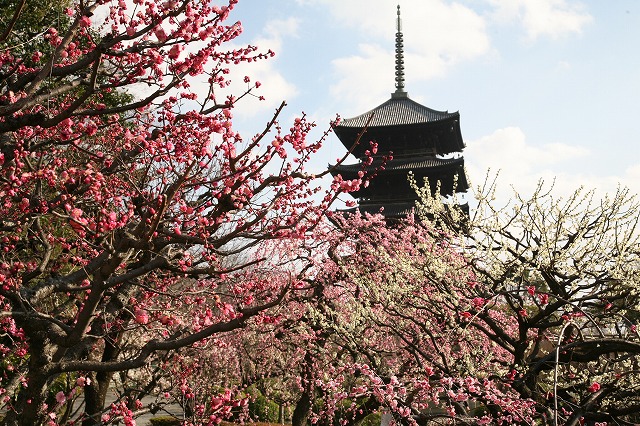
36	17
27	36
165	421
372	419
262	409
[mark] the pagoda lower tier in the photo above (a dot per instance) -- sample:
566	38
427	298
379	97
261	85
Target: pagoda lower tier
389	181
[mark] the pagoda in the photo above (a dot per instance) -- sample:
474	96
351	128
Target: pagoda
417	139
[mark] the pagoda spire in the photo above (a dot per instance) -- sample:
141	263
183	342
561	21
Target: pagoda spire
399	93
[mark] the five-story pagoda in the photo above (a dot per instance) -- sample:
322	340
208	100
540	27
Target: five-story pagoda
419	140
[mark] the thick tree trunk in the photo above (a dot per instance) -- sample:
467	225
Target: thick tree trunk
95	395
28	407
96	392
303	409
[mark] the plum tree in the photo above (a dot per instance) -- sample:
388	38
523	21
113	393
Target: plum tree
129	219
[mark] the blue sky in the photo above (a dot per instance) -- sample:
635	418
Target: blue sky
546	89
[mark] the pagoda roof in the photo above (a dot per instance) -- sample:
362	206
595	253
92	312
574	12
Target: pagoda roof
401	164
398	111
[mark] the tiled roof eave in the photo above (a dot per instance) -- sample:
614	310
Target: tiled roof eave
356	123
424	164
398	112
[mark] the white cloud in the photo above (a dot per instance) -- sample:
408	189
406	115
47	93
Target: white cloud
520	165
543	18
631	178
274	86
633	172
364	79
508	147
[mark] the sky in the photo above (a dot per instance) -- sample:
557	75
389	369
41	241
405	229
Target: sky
546	89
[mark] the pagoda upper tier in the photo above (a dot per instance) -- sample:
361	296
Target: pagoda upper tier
403	127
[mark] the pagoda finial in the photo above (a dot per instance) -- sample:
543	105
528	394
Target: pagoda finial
399	93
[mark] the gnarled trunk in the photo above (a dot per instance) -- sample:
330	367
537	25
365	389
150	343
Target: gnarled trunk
303	409
28	409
